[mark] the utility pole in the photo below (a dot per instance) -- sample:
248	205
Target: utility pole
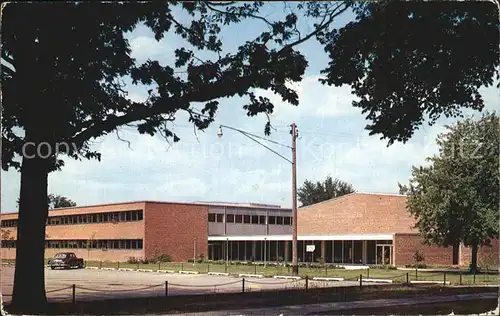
295	266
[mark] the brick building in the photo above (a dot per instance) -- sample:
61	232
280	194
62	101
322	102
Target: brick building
358	228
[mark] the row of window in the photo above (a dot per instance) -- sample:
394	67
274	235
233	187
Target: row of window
86	244
250	219
125	216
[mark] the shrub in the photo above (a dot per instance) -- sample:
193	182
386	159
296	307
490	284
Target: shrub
201	257
132	260
418	256
162	258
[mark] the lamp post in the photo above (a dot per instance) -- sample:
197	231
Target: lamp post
293	162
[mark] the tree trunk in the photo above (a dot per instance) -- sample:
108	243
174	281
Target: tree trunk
29	295
473	264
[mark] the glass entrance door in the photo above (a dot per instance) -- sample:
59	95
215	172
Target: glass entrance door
384	254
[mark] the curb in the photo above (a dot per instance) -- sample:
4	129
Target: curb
251	275
188	272
328	279
376	280
430	282
286	277
144	270
218	273
165	271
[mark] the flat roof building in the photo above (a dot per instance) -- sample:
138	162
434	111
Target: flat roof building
357	228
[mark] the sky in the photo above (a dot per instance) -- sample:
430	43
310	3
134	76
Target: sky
204	167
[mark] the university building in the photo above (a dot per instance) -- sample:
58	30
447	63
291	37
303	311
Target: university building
358	228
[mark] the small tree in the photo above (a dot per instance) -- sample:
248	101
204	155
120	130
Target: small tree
419	259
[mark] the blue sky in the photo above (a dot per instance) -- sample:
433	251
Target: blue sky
233	168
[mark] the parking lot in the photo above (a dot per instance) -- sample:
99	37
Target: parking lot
91	284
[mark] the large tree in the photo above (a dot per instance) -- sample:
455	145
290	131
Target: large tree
62	78
311	193
455	199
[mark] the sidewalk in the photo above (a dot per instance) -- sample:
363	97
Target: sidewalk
326	307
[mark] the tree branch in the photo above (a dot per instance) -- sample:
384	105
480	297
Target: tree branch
270	24
323	26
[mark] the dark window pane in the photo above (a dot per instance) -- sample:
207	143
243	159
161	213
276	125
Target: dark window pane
230	218
272	220
211	218
220	218
262	219
239	218
279	220
246	219
140	216
255	219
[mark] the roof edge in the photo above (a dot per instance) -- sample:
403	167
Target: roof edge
162	202
351	194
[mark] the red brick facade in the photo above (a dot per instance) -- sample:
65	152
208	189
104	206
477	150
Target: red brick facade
406	245
167	228
179	230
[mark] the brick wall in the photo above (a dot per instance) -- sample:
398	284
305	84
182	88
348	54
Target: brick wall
172	228
405	246
486	254
356	213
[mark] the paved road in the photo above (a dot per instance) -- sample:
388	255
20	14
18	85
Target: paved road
104	284
311	309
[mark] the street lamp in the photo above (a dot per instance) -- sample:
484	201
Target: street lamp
294	133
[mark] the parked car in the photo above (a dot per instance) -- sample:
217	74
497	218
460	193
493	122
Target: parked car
66	260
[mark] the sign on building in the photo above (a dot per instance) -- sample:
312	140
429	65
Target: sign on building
310	248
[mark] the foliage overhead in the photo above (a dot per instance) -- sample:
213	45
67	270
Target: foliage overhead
76	68
455	199
311	193
414	61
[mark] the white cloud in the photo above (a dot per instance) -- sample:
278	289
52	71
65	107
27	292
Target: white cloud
147	47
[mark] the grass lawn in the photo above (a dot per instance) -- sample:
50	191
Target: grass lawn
397	276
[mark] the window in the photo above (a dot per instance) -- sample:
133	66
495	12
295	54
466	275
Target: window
230	218
211	218
134	215
139	244
139	216
128	216
255	219
246	219
272	220
122	216
220	218
128	244
279	220
262	219
287	220
134	244
239	218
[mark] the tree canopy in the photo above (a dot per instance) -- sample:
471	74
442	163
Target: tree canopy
311	193
62	83
455	199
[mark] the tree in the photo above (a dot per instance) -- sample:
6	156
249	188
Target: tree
455	199
403	189
63	86
311	193
63	82
57	201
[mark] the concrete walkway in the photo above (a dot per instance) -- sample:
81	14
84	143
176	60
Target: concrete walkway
327	307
